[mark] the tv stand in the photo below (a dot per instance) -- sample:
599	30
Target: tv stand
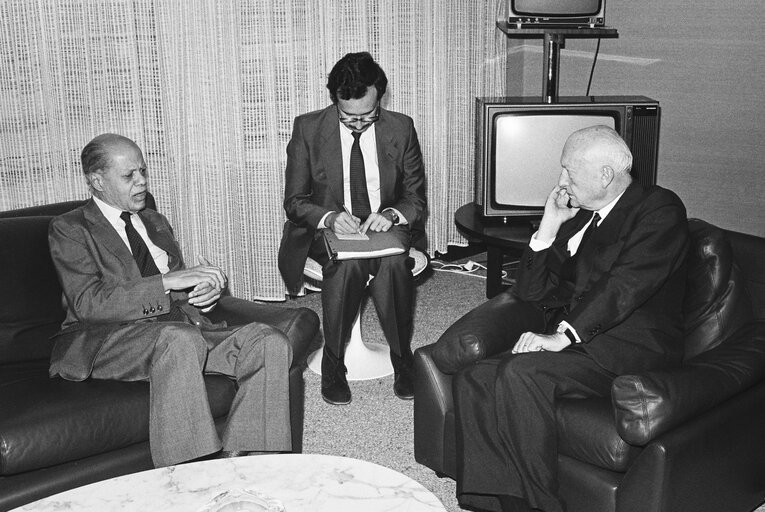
499	237
554	40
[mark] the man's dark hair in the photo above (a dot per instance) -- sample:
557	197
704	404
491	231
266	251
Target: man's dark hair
353	74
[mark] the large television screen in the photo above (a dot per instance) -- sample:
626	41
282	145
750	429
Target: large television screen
519	142
525	142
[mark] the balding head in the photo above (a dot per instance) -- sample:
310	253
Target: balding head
596	167
116	171
603	145
97	154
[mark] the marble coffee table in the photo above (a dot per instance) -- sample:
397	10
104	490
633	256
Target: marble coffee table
300	482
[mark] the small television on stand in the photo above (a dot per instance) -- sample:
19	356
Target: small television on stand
518	144
552	13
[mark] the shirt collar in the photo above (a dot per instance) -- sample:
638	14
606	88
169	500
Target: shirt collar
347	133
603	212
111	213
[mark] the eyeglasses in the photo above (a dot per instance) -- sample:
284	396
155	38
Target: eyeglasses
366	119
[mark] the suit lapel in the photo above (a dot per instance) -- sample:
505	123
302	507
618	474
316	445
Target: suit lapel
331	152
105	235
609	230
600	249
386	158
570	228
160	235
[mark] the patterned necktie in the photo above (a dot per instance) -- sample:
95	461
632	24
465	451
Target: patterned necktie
359	194
141	252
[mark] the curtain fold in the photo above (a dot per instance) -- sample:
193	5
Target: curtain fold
209	88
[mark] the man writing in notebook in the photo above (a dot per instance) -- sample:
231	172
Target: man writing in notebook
355	166
135	312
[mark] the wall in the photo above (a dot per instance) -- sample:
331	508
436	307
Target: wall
704	61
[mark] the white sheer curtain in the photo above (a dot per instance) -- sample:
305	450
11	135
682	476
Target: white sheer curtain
209	88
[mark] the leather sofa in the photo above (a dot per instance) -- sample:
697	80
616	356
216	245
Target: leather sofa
689	439
56	435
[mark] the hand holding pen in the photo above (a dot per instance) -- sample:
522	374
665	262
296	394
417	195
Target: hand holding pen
344	223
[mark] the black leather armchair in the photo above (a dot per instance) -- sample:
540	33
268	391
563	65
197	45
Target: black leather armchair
687	439
56	435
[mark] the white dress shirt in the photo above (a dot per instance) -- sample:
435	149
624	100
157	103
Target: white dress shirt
112	214
368	144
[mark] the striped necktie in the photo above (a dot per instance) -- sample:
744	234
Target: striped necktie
141	253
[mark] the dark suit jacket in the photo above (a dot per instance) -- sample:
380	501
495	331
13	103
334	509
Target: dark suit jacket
102	284
314	181
626	304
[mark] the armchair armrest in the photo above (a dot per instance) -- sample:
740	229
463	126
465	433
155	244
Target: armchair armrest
650	404
300	325
434	436
491	328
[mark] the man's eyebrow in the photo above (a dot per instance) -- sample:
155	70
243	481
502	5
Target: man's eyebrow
357	115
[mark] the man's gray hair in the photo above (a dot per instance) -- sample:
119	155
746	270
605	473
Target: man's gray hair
611	146
96	155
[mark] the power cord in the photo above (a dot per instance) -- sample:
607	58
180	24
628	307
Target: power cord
469	268
592	69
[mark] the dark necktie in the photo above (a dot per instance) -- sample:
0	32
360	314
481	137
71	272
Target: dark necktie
359	194
589	231
141	252
568	270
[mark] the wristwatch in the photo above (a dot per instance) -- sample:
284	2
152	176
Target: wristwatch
393	216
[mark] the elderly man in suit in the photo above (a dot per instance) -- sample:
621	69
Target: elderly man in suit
354	166
598	294
134	312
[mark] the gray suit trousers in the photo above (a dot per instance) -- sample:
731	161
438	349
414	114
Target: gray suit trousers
173	356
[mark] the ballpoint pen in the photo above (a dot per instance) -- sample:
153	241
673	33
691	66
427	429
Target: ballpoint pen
358	228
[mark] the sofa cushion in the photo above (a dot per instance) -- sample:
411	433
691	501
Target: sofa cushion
648	405
33	312
716	301
586	432
45	422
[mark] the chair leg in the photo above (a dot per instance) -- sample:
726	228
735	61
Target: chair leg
364	361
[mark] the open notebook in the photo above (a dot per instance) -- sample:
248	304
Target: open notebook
373	244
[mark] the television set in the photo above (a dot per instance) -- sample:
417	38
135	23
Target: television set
518	144
567	13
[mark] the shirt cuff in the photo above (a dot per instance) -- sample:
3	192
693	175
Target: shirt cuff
537	245
565	328
322	222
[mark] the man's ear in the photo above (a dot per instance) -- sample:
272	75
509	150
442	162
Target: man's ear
95	179
606	175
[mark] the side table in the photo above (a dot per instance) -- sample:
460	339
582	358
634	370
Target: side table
498	237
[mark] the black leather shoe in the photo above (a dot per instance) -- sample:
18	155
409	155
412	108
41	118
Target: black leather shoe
336	393
403	384
334	385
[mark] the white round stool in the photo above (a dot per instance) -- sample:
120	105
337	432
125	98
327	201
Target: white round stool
363	360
